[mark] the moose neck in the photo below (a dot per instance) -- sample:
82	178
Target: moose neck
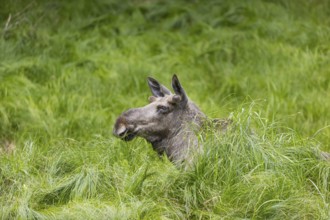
182	137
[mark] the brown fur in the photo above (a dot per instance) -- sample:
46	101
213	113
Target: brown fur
7	147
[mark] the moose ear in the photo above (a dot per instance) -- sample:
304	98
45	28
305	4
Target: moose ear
157	89
179	90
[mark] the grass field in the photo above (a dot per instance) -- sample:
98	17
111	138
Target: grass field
69	68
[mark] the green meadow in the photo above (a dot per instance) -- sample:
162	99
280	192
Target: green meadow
69	68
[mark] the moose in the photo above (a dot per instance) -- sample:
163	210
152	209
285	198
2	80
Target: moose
169	122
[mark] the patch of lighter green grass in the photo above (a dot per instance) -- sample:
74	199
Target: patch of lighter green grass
252	171
263	173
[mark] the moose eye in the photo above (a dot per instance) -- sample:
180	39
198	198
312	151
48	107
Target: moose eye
163	109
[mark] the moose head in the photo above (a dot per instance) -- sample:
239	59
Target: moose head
169	122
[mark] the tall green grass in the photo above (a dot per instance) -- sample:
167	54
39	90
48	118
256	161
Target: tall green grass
68	69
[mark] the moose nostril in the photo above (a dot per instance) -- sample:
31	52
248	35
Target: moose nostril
120	130
121	134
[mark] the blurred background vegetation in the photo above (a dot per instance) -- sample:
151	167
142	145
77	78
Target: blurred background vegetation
62	60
